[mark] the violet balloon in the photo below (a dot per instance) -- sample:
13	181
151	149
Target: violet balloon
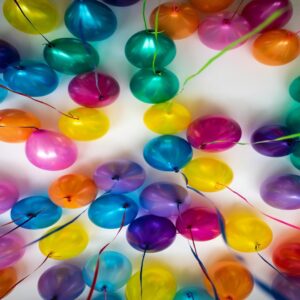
8	55
287	286
9	195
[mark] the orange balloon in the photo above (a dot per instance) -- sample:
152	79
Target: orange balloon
8	277
73	191
178	21
12	122
232	280
276	47
211	6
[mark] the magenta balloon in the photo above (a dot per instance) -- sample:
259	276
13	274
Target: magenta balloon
213	133
50	150
9	194
94	89
218	31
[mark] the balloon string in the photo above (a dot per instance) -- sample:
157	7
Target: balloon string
15	228
144	14
98	86
11	222
156	41
23	127
105	293
270	291
237	9
141	272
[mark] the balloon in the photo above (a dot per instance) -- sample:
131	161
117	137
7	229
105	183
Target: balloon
90	20
14	123
211	6
150	87
293	120
9	195
208	174
167	118
276	47
61	282
3	92
8	55
151	233
294	89
38	211
269	133
114	272
94	89
120	3
66	243
119	176
192	293
71	56
43	14
88	124
288	287
177	20
143	45
258	11
109	210
156	281
232	280
165	199
31	78
168	153
8	277
214	133
295	156
73	191
50	150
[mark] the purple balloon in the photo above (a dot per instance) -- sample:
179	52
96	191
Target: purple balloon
121	2
119	176
9	194
257	11
151	233
287	286
61	282
165	199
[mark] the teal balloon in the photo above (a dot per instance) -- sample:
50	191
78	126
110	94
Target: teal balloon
3	92
71	56
150	87
192	293
293	120
295	156
142	46
295	89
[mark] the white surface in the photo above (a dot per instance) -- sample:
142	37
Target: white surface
235	85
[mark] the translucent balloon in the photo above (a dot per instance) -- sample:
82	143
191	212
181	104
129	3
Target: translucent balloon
8	55
8	277
9	195
88	124
167	118
208	174
3	92
43	14
114	271
120	3
294	89
192	293
211	6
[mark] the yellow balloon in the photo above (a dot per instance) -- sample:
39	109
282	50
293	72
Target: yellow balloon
167	118
158	284
66	243
42	13
208	174
90	124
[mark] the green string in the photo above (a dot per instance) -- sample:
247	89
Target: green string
156	41
144	14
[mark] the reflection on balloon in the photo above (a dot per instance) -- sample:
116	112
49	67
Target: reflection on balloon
8	277
295	89
192	293
9	195
211	6
8	55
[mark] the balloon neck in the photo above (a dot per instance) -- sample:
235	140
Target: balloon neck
32	215
175	9
176	169
116	177
19	68
68	198
226	21
125	205
101	97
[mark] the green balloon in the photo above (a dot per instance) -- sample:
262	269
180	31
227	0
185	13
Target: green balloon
142	46
151	87
295	89
293	120
295	156
71	56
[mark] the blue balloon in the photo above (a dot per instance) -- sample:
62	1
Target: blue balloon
192	293
108	210
35	212
90	20
31	77
109	296
8	55
168	153
114	272
3	92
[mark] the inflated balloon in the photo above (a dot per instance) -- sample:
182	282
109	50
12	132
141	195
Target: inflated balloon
295	89
142	46
43	14
276	47
165	199
94	89
111	210
63	281
114	271
66	243
120	3
88	124
211	6
119	176
269	148
208	174
293	120
8	55
8	277
50	150
295	156
177	20
214	133
288	287
168	153
167	118
192	293
157	281
90	20
71	56
31	78
150	87
9	195
73	191
3	92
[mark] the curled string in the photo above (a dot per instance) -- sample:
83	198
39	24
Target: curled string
156	41
141	271
144	14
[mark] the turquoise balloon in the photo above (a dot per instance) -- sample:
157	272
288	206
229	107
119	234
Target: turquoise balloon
295	89
3	92
295	156
142	46
71	56
293	120
150	87
192	293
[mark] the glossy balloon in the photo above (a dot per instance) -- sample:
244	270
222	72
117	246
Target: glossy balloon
120	3
211	6
8	277
293	120
3	92
294	89
192	293
8	55
288	287
9	195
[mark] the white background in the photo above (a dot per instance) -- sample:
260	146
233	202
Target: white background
236	85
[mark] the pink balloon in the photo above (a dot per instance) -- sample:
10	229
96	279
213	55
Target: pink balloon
213	133
218	31
50	150
9	194
85	90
